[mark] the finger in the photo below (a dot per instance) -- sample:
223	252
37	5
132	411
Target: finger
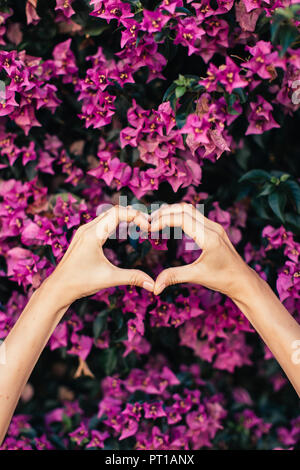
142	219
190	226
108	224
180	208
172	276
172	208
133	277
184	207
122	213
80	230
157	211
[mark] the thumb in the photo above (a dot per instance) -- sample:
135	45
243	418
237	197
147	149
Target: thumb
172	276
134	277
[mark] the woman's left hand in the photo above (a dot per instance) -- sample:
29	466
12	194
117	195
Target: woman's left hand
84	269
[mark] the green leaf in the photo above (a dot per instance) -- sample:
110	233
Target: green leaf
261	206
267	189
30	170
293	222
295	8
285	13
57	441
96	31
197	87
255	176
277	202
180	91
230	100
94	421
99	325
169	92
293	191
287	35
284	177
173	101
110	359
29	433
180	120
241	94
183	10
275	26
67	422
274	180
139	37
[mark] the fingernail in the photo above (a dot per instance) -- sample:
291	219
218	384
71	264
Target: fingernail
160	288
148	285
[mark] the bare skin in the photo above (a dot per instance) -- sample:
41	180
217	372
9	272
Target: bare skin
84	270
220	267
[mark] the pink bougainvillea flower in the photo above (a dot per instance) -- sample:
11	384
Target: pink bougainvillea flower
263	60
81	345
197	420
226	74
97	439
80	434
247	19
112	10
189	34
154	410
31	14
138	344
171	5
7	102
260	117
64	61
154	21
130	427
133	410
42	443
65	7
59	337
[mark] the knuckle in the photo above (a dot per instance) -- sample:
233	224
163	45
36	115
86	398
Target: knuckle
116	209
80	230
220	229
184	205
214	239
83	236
135	281
171	278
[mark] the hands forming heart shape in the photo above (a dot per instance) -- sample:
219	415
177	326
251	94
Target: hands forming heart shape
84	269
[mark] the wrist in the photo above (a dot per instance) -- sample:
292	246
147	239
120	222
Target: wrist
248	284
51	292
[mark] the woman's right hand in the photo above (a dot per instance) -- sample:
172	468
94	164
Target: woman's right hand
219	267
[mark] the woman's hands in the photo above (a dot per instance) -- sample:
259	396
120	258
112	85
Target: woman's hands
219	267
84	269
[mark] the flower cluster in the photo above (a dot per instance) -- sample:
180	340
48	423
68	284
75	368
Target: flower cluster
29	80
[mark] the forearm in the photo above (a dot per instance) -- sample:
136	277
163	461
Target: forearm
23	346
272	321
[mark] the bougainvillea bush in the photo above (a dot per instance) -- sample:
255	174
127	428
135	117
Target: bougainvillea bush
158	101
